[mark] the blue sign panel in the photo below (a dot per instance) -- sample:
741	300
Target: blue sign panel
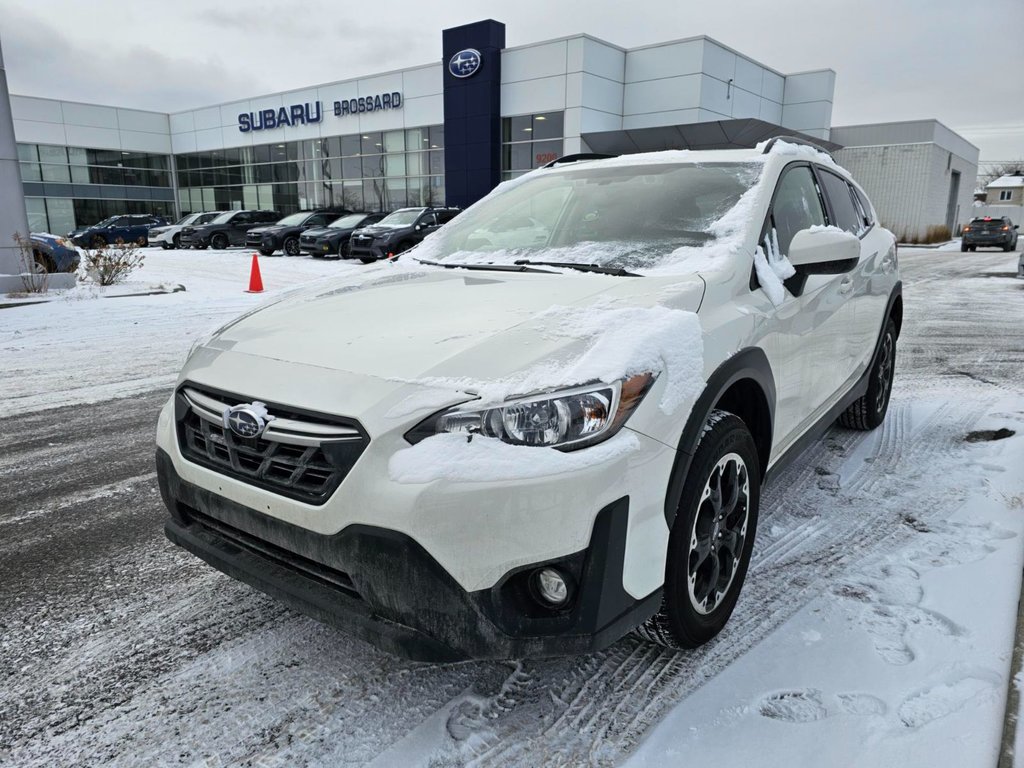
465	63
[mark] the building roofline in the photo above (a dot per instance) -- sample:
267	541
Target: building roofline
906	122
90	104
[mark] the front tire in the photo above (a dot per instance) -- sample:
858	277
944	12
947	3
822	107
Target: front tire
266	252
291	246
712	537
219	241
868	411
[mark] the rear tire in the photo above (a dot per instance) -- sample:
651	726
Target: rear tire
176	242
963	249
868	411
712	537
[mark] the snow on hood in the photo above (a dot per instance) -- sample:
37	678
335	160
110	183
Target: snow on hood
476	332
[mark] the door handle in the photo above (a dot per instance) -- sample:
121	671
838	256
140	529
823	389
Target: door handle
846	285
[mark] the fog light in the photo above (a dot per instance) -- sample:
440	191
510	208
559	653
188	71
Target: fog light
551	586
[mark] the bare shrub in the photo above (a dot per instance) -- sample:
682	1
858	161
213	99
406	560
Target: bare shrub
34	277
111	264
937	233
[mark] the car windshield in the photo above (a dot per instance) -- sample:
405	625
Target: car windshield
347	222
609	214
206	218
294	219
402	218
224	218
192	217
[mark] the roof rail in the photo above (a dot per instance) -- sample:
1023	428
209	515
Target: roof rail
794	140
566	159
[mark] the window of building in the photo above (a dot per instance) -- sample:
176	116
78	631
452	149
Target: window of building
530	141
1005	194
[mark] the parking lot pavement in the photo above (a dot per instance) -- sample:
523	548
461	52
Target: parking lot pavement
883	560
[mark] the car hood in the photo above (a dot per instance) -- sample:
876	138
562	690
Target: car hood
409	323
325	232
377	229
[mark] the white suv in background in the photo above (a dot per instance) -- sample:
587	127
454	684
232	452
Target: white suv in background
549	423
170	236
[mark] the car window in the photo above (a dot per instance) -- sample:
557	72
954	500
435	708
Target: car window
865	206
796	206
427	220
840	199
317	220
444	217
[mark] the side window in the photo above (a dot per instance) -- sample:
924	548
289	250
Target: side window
428	220
865	206
838	192
241	218
797	206
445	216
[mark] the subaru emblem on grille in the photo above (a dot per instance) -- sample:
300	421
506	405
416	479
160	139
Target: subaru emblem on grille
247	419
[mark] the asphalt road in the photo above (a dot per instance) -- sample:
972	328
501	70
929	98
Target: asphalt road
117	647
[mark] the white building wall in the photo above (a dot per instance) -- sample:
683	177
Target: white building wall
74	124
217	127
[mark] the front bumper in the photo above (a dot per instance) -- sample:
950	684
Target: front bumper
384	587
317	248
373	251
193	239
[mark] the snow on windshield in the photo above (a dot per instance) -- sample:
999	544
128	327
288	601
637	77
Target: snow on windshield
640	215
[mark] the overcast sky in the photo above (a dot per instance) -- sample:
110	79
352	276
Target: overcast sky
959	61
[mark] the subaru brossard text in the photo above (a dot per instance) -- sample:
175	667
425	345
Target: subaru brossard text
550	422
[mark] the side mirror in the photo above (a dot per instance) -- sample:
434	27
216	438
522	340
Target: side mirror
419	227
824	251
1016	226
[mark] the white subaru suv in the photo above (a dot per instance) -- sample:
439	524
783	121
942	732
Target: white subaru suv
548	424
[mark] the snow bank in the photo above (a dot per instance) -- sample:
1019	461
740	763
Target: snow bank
620	342
487	459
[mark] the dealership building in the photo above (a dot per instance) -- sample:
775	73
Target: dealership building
447	132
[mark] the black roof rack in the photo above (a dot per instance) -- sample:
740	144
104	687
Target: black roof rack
579	157
794	140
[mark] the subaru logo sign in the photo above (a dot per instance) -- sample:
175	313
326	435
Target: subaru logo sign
465	63
247	420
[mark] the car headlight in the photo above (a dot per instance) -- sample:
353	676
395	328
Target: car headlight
567	419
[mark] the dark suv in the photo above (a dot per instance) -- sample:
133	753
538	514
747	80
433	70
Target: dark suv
989	231
284	235
227	229
397	232
128	228
333	240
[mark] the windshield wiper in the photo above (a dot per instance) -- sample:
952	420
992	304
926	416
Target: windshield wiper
517	267
616	271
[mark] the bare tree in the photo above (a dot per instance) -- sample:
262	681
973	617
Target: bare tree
995	170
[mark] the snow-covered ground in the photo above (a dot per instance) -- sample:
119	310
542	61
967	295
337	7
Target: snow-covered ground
876	627
81	348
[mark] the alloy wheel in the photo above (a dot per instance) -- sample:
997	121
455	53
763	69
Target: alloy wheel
885	362
718	534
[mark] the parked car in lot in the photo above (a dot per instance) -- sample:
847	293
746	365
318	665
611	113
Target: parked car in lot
228	228
989	232
333	240
128	228
54	253
531	448
284	235
397	232
170	236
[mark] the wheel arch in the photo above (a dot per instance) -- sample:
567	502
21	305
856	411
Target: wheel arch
743	385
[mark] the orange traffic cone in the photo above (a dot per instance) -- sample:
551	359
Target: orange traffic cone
255	280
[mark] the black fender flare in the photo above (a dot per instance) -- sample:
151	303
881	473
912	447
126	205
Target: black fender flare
749	363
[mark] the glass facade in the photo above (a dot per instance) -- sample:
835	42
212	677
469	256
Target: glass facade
378	171
530	141
68	187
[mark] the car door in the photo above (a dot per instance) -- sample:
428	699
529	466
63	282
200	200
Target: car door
874	275
426	224
807	335
240	223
